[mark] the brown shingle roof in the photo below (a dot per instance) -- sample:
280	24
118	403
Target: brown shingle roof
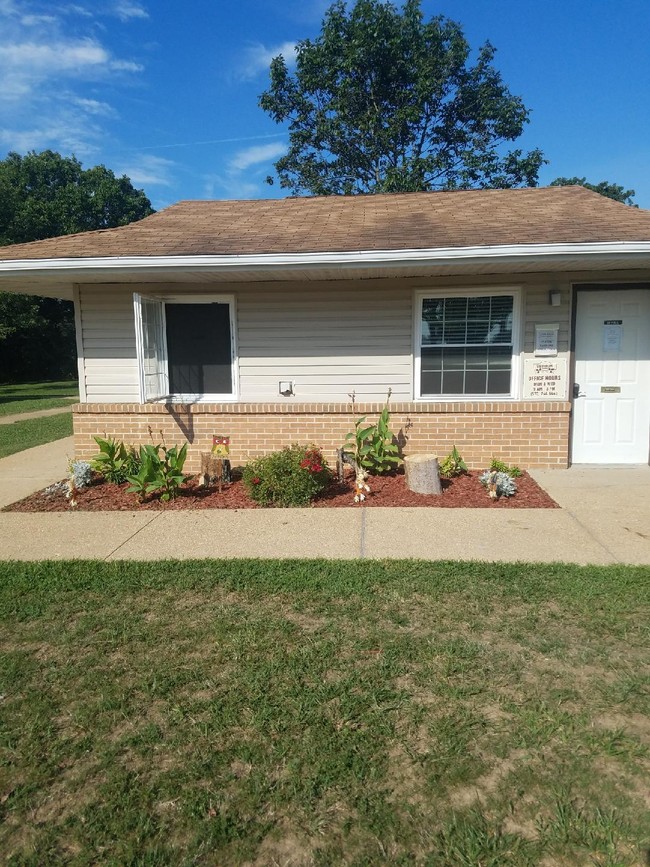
467	218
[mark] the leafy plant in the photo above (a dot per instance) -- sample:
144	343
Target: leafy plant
453	465
374	448
290	477
80	475
505	484
501	467
159	473
115	461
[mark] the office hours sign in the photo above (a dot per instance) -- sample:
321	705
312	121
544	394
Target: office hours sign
545	378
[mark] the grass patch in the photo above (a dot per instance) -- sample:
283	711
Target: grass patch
21	435
324	712
32	396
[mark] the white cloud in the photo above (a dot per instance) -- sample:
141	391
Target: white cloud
46	73
126	11
257	154
257	58
149	170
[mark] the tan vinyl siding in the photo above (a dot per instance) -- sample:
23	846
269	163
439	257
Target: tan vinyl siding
108	339
328	340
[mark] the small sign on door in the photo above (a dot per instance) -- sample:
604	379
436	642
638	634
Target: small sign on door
612	335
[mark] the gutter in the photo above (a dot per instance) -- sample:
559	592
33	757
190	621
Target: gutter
529	253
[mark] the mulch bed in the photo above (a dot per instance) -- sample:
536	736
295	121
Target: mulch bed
461	492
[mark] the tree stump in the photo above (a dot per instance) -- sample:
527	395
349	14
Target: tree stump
422	474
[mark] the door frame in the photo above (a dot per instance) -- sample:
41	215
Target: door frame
591	286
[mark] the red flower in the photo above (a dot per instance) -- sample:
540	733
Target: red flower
316	468
304	464
256	480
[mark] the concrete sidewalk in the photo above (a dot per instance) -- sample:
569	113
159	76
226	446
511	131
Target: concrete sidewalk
38	413
605	518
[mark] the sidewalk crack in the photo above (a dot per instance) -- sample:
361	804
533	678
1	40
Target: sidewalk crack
133	535
588	532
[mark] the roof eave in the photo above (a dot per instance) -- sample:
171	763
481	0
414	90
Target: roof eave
27	275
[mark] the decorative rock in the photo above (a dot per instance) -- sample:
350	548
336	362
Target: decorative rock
422	474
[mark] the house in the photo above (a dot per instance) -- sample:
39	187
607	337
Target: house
513	323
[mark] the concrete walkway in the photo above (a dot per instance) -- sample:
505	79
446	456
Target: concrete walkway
605	518
38	413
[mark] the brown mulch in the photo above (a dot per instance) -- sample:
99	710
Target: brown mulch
461	492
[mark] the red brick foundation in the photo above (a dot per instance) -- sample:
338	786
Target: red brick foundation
529	434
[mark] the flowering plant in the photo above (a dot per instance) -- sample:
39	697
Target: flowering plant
291	477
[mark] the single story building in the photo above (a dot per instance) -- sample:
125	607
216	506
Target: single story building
511	323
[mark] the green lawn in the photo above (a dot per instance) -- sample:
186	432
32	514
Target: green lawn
32	396
21	435
360	713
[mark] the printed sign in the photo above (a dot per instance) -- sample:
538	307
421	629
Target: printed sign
546	339
612	335
545	379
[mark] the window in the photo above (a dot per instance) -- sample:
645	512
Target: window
466	345
185	348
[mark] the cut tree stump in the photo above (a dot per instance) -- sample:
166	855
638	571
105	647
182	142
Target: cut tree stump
422	474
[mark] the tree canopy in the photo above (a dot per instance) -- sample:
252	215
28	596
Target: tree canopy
43	195
384	101
611	191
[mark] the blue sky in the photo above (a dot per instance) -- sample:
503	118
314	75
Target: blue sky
166	91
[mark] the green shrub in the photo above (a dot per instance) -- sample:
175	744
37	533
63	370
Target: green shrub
291	477
156	473
500	467
115	462
374	446
453	465
505	484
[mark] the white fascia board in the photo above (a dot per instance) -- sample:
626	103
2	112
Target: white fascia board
530	253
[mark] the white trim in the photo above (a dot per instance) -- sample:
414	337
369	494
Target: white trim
364	258
81	364
517	327
231	301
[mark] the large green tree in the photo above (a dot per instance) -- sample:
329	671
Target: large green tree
43	195
384	101
611	191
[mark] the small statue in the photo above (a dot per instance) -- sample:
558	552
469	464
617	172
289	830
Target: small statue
492	484
360	486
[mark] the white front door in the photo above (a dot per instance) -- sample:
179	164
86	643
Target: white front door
611	406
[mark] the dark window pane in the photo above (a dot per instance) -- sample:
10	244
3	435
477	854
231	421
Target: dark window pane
498	382
453	359
499	357
477	332
456	308
430	382
455	330
452	382
476	358
478	308
199	348
431	359
475	381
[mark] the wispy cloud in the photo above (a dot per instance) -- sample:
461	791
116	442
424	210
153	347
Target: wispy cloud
126	11
245	172
252	156
46	74
257	58
150	170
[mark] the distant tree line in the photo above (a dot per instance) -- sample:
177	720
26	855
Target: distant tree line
43	195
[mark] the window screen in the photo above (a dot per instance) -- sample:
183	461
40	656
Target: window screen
199	349
466	345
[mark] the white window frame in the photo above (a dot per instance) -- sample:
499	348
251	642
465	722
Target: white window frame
186	299
468	292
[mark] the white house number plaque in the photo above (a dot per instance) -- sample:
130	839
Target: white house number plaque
545	378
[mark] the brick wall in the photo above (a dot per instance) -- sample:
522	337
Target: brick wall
529	434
